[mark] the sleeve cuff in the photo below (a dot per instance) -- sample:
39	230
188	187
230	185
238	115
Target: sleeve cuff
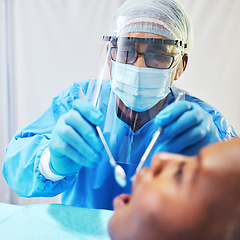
45	169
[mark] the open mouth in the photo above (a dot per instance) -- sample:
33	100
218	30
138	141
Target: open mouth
121	201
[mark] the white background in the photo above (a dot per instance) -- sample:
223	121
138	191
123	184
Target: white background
48	45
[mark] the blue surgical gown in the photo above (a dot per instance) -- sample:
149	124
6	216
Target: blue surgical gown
91	188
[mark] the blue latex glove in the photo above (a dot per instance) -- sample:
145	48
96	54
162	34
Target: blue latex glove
75	142
187	128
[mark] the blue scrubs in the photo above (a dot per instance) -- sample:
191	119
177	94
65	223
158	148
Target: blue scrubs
91	188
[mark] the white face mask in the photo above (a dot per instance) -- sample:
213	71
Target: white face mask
140	88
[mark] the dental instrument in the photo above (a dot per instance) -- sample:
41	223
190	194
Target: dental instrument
151	145
119	173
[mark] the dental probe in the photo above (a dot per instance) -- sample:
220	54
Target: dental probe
119	173
150	146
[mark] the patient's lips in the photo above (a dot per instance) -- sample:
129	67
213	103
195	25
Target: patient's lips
121	201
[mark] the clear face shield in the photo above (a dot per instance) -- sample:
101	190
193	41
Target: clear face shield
133	86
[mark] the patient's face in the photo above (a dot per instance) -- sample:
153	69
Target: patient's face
180	197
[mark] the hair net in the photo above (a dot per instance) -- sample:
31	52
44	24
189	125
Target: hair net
163	17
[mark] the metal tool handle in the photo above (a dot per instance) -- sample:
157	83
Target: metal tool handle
99	131
112	161
148	150
151	145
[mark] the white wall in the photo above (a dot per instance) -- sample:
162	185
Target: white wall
213	73
57	42
3	123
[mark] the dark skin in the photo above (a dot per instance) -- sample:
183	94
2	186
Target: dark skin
181	197
137	119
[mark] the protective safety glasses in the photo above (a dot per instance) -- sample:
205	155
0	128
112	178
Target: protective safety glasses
157	53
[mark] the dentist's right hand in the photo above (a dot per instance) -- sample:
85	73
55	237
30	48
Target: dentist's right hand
75	142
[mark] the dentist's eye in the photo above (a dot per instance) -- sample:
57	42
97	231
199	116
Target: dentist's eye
178	174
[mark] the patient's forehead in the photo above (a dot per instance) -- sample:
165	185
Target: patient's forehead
224	155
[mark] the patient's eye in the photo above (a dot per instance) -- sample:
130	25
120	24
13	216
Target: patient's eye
178	174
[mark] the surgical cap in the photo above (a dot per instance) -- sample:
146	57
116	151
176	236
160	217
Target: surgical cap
163	17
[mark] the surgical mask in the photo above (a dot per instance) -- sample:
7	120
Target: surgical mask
140	88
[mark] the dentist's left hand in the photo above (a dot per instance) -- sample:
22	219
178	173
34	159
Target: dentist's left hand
75	142
186	128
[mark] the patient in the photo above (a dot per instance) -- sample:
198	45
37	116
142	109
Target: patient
183	198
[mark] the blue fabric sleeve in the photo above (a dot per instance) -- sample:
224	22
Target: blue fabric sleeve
22	157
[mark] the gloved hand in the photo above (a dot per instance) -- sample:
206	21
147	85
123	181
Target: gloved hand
187	128
75	142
